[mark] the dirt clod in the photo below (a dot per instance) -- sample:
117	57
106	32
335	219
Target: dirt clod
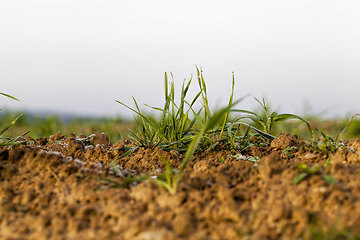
56	137
102	140
284	140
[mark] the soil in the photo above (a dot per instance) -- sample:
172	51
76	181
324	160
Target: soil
66	188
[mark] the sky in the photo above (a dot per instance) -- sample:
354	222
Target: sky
78	56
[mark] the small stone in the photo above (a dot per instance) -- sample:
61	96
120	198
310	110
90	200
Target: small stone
101	139
310	156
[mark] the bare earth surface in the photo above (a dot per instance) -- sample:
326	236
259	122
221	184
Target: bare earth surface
65	188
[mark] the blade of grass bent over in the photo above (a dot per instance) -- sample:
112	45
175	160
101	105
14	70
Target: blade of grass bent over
9	96
286	116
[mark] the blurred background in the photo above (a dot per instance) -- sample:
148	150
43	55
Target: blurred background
73	58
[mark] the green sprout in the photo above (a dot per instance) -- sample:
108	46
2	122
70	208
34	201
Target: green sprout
9	141
267	119
203	92
175	129
9	96
329	144
179	122
171	177
306	171
288	152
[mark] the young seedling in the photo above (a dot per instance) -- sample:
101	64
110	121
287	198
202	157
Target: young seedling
346	127
288	152
171	177
9	141
267	119
175	128
234	138
228	113
326	143
330	144
202	86
306	171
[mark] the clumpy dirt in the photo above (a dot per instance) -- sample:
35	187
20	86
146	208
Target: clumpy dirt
68	188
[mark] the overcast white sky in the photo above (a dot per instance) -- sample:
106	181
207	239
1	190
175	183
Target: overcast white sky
77	56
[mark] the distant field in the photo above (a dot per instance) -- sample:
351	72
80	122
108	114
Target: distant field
118	128
45	126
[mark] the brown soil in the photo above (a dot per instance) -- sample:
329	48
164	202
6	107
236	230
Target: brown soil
63	188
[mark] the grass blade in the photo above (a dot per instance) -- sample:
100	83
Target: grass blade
330	179
9	96
261	133
300	177
11	124
286	116
127	153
